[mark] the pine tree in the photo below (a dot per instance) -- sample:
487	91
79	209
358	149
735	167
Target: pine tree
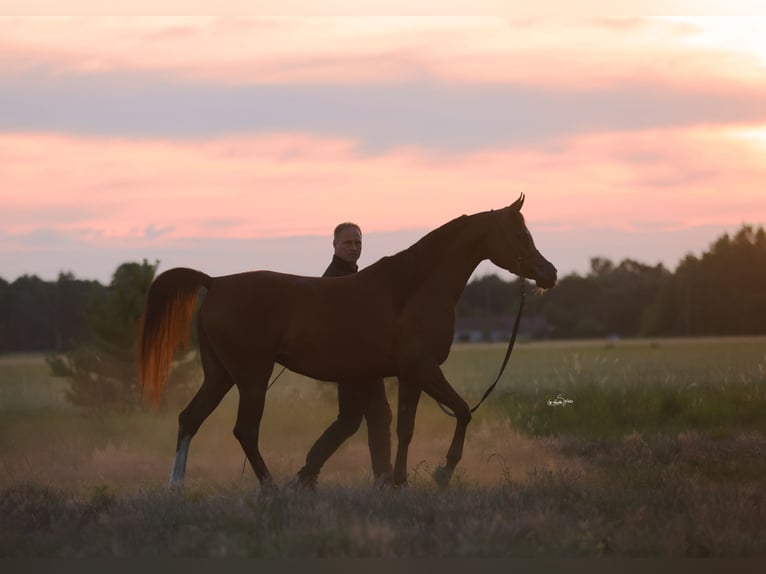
102	371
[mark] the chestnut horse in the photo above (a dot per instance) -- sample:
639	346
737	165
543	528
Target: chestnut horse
393	318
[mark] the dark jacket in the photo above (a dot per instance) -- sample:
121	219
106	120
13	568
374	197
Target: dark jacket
339	268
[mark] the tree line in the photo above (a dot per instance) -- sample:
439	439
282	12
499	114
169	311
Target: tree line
722	292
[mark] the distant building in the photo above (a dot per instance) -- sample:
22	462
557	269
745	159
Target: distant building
499	328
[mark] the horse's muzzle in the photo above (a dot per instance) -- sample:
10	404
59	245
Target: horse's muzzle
545	274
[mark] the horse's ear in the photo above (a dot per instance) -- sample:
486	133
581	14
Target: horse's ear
516	205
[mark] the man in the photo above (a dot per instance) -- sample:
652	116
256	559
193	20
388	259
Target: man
355	399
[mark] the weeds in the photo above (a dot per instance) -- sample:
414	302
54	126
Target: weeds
552	514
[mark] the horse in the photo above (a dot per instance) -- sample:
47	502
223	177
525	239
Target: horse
395	318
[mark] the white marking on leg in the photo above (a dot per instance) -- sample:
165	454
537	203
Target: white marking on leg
179	463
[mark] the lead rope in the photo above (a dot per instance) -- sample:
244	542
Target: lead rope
508	352
274	380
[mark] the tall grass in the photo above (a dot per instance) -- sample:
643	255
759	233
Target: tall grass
551	515
715	386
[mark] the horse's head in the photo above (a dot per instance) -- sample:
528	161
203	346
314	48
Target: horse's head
511	247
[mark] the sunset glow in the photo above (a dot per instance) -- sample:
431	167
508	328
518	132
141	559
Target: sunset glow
154	136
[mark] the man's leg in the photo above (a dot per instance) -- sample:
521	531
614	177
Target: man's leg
350	412
378	414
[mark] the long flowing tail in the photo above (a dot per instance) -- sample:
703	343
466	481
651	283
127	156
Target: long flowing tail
165	323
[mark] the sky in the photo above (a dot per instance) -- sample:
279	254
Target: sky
233	143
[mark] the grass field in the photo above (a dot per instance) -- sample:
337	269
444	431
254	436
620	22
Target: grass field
661	453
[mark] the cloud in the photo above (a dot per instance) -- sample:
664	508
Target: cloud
280	185
378	117
44	237
152	232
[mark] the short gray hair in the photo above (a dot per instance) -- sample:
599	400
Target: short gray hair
341	227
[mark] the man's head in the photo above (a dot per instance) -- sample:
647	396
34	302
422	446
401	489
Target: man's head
347	241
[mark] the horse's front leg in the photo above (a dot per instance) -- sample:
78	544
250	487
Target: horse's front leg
435	385
409	395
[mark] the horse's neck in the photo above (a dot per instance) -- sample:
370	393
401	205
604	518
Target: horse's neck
442	261
460	259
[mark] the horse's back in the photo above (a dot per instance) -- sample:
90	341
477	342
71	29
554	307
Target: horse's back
248	308
256	291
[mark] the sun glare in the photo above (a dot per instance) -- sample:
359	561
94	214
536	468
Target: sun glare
755	135
742	35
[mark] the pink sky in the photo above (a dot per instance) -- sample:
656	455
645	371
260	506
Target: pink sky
231	144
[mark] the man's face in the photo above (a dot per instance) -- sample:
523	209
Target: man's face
348	245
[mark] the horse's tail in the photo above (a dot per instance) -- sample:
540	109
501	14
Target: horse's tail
165	323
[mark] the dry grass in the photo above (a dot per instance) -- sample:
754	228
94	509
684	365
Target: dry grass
554	484
67	448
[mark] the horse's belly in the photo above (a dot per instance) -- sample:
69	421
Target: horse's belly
336	360
342	370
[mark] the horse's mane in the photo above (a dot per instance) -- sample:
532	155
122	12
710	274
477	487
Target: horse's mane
408	268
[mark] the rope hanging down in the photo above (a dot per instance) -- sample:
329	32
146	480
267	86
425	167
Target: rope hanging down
508	352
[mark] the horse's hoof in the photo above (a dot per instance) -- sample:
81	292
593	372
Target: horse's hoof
303	483
442	476
384	480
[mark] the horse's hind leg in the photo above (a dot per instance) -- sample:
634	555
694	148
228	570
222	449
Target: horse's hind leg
216	384
252	385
